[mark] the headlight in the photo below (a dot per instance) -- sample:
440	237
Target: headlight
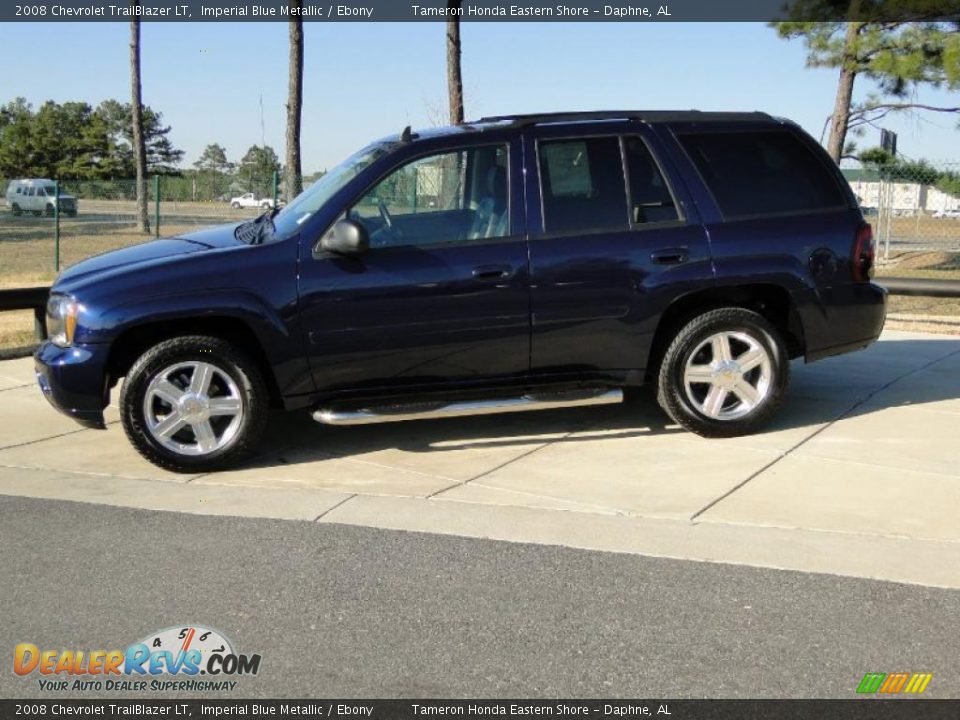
62	311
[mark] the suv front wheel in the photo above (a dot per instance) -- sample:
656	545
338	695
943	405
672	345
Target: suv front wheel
724	374
194	404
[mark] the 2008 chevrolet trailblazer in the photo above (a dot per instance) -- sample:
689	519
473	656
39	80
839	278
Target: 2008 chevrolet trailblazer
513	263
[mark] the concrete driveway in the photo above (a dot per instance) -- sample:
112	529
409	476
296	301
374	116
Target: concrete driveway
858	476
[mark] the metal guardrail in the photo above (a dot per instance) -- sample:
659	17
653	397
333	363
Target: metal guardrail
35	298
921	286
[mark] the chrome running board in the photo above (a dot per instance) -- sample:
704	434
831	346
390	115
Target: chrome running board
421	411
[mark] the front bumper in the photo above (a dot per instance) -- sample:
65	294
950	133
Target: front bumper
74	380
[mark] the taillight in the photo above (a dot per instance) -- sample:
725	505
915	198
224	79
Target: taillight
864	253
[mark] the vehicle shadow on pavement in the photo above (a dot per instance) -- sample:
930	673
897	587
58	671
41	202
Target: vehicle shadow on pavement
298	434
888	375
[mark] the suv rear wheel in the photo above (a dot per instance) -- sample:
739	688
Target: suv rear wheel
194	404
724	374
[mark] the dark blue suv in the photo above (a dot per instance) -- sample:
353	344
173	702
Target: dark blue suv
512	263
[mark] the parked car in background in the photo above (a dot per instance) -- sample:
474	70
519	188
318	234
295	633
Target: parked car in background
251	200
38	196
512	263
947	214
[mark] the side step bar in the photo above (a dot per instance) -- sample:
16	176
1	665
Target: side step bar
421	411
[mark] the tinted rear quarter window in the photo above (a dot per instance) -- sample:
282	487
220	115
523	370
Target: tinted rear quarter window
762	173
650	198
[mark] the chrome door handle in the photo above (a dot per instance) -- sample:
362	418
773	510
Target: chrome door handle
492	272
670	256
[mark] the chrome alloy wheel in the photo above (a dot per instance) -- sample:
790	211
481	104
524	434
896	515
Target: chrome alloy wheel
193	408
728	375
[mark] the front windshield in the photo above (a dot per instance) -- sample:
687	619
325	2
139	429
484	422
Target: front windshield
51	190
314	197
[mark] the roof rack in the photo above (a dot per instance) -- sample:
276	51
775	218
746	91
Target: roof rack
640	115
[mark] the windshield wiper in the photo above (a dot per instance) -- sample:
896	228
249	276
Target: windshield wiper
266	221
252	231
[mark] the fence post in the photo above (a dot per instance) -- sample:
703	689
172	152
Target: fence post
56	225
156	202
276	183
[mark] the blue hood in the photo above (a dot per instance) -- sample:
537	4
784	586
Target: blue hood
144	255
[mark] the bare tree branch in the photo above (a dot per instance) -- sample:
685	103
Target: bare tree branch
911	106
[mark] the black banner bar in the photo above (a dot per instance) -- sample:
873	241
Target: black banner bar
478	10
858	709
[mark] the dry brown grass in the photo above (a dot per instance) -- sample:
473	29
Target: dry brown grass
923	264
27	242
924	228
27	245
27	251
16	329
937	265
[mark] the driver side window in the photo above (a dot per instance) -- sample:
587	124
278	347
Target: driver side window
446	198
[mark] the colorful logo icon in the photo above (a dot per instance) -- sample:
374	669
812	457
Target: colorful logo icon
893	683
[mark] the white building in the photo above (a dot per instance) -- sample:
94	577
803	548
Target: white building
900	195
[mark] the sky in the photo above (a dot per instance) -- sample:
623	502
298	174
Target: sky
366	80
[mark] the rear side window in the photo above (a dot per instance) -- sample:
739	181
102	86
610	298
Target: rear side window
762	173
650	198
582	185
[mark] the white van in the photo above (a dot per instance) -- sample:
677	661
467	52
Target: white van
37	196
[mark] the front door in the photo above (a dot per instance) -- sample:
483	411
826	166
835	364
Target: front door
442	295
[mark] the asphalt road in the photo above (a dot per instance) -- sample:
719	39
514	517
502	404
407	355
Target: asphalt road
339	611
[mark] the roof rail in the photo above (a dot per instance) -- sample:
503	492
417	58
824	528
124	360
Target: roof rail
641	115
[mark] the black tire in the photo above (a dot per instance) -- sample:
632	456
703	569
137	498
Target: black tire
16	209
235	206
672	392
229	360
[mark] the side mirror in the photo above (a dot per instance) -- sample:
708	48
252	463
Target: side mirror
348	237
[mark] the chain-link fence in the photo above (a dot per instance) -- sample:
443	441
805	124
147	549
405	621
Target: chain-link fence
97	216
913	207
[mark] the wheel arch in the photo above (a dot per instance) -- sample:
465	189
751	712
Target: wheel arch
772	301
134	341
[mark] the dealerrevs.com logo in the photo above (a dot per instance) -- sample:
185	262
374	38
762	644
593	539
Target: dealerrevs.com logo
189	658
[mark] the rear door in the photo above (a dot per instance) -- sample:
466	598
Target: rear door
613	242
